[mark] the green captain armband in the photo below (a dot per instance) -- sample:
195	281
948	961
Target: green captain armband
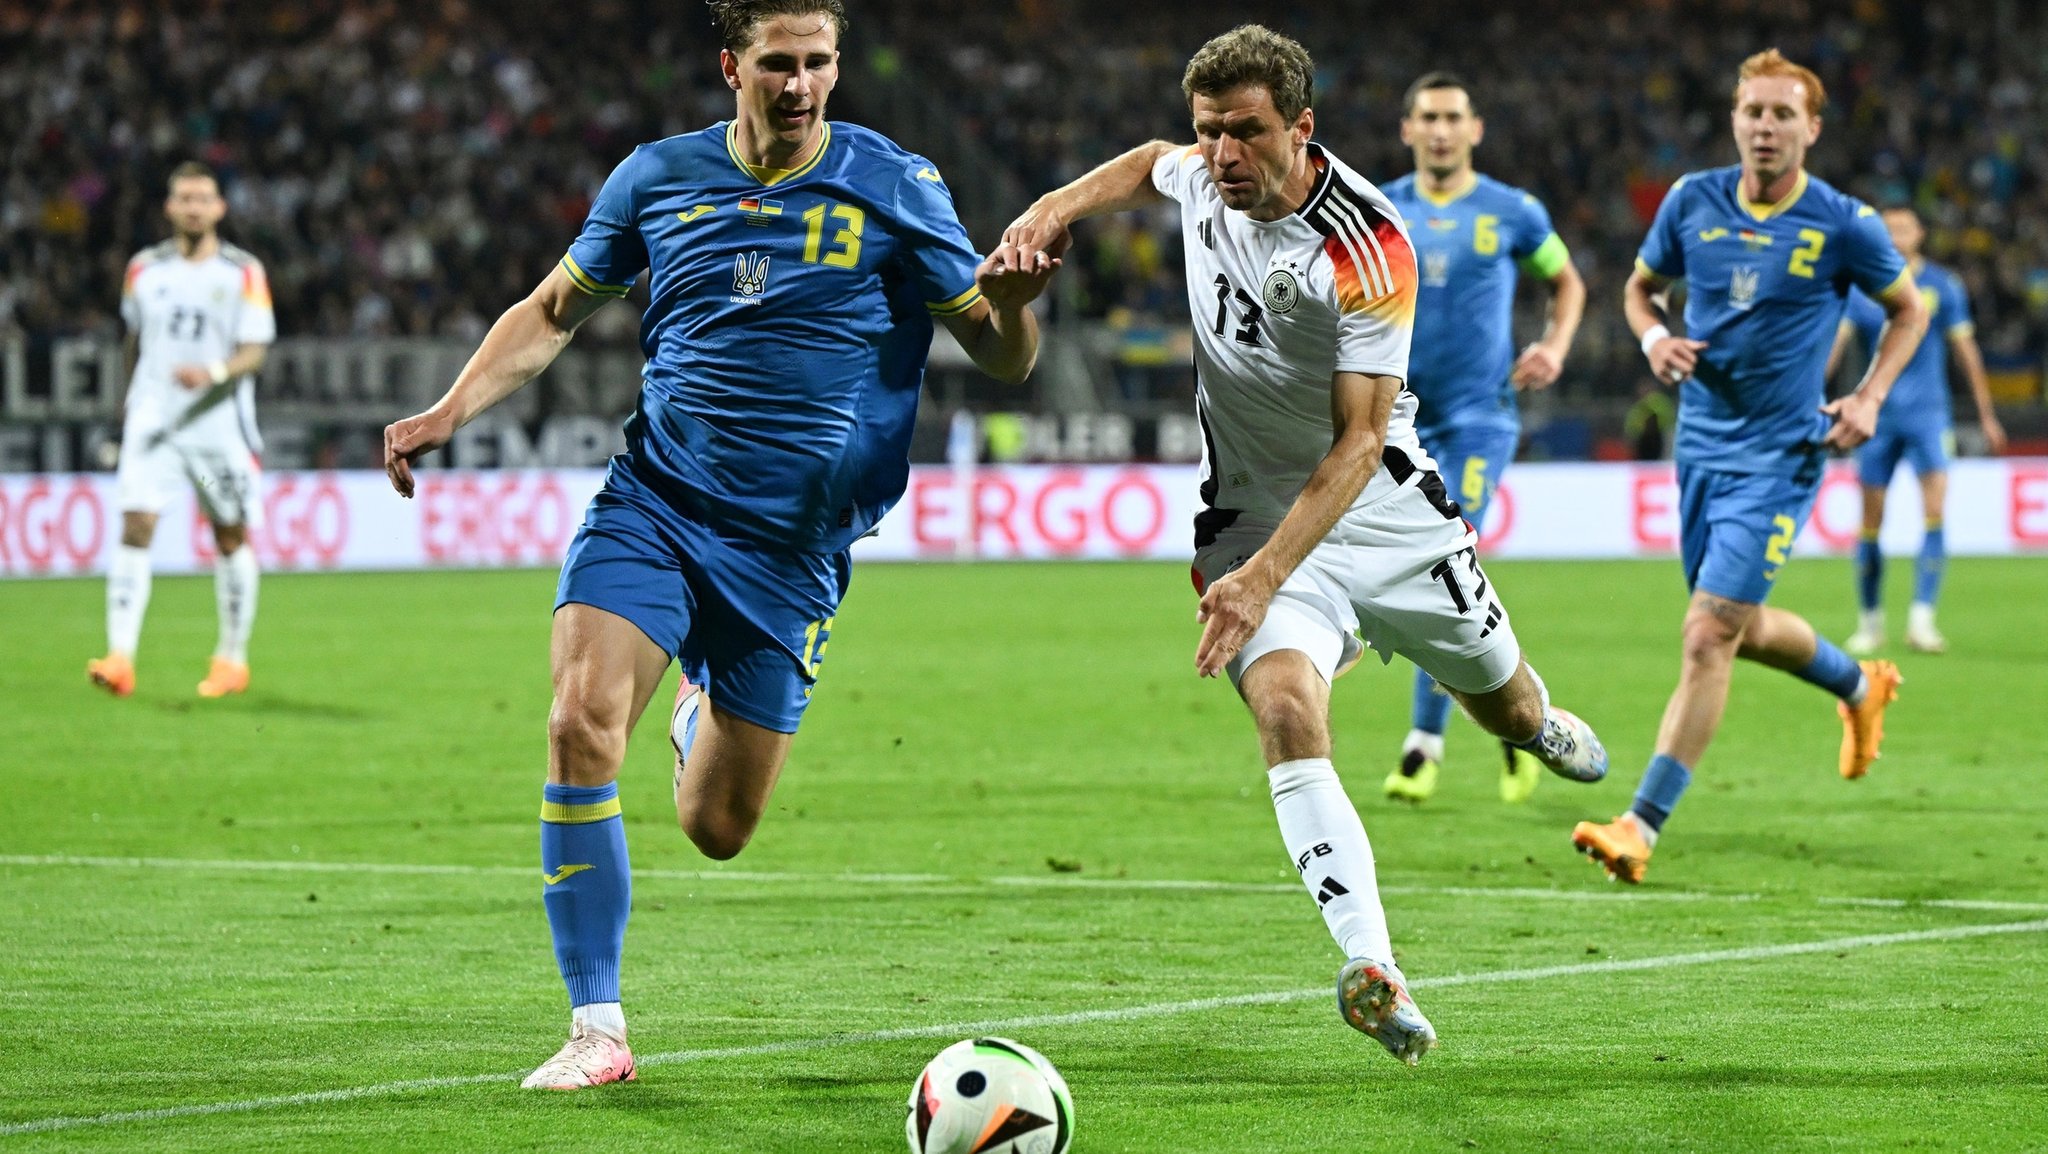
1548	260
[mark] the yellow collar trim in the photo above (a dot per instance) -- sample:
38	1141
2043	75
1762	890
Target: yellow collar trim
1441	199
1767	211
770	176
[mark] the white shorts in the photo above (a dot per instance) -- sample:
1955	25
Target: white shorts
217	464
1396	576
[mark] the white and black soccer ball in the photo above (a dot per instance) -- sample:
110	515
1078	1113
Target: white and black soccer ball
990	1096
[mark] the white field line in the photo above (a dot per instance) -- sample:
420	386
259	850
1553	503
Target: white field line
1040	1022
1537	893
1939	904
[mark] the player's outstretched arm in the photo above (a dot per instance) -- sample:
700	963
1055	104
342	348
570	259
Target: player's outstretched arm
1235	604
1542	363
526	339
1905	323
999	332
1672	358
1964	345
1120	184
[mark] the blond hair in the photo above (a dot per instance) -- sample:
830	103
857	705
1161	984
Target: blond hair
1771	62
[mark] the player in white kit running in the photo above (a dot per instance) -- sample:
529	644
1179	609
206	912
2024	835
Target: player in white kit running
1324	518
199	324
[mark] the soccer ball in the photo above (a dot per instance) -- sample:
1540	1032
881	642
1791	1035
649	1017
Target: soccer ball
990	1096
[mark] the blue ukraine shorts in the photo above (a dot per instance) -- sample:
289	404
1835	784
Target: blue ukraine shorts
1928	447
748	622
1736	529
1471	461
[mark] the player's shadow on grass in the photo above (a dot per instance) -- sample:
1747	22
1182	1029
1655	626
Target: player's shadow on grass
262	704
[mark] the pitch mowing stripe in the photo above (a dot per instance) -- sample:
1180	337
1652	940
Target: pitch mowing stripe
230	865
1043	1021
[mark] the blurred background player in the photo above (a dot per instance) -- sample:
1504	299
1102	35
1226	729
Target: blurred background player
1767	253
199	325
1915	425
795	268
1472	236
1323	518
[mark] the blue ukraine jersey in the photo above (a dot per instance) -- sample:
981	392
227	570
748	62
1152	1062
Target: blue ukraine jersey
1919	398
788	325
1765	289
1468	250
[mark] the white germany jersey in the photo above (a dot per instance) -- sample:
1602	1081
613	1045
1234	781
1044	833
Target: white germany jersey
1279	308
193	312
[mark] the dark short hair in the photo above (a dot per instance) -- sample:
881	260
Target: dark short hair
739	20
190	170
1253	54
1430	82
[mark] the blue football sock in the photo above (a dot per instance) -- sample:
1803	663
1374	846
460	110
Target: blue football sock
1832	670
589	886
1869	572
1663	784
1432	710
1933	563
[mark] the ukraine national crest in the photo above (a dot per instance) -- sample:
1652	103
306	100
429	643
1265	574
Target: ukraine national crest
750	273
1742	284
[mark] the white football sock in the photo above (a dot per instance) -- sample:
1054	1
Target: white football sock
1431	744
128	578
1871	621
234	594
608	1018
1648	831
1920	617
1327	844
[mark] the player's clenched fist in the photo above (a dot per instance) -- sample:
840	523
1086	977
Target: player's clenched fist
1855	420
1538	367
1674	358
1039	230
407	440
1010	282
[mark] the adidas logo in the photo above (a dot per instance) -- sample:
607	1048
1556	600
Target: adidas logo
1330	891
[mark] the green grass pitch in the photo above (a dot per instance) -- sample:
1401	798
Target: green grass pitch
334	887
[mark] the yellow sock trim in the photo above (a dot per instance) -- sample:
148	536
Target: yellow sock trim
559	813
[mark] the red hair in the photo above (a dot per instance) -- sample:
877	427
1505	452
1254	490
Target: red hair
1771	62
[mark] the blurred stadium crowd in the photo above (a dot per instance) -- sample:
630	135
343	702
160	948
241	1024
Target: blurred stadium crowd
414	168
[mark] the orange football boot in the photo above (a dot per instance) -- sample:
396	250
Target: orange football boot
224	677
1619	847
114	673
1863	725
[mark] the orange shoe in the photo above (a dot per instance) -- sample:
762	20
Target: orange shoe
1619	847
224	677
114	673
1863	725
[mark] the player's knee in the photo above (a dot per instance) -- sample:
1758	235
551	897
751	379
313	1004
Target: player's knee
138	530
230	538
1708	641
586	746
719	833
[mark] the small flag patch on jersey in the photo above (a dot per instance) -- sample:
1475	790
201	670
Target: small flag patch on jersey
755	204
1755	239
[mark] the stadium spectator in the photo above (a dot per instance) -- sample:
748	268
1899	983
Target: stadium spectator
408	169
